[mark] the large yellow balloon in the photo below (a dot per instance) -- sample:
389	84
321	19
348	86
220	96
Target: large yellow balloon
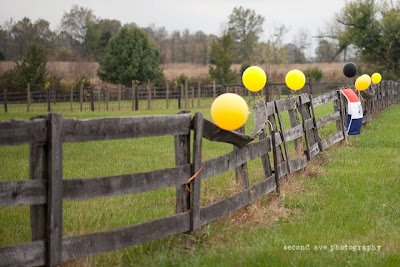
295	79
376	78
363	82
254	78
229	111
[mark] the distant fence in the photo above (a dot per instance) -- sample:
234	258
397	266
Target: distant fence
46	189
141	97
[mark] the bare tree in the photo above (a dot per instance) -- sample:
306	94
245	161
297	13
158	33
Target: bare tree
302	42
75	24
245	26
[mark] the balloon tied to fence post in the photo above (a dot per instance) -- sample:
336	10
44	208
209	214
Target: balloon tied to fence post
363	82
229	111
350	70
376	78
295	79
254	78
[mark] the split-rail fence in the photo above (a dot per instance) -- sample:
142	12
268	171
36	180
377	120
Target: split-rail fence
46	189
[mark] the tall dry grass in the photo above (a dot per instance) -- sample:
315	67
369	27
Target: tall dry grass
71	71
68	71
332	71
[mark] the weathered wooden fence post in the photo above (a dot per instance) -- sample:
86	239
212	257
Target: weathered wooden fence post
279	107
167	93
275	158
28	97
107	97
214	90
294	121
54	191
119	96
182	157
264	92
265	160
72	98
186	93
223	88
91	99
5	100
38	159
48	100
136	97
198	94
338	107
54	96
241	174
195	195
267	94
276	149
314	125
180	92
192	93
148	95
81	96
98	96
133	95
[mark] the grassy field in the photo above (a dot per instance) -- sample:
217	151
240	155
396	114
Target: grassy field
352	200
125	105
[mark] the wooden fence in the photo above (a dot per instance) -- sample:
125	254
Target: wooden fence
140	97
46	189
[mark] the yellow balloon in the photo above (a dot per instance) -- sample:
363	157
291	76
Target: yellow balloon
363	82
295	79
229	111
376	78
254	78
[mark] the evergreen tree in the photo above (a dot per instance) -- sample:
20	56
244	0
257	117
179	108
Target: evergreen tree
130	56
223	56
32	69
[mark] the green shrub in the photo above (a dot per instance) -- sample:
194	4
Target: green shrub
314	73
182	78
389	75
9	80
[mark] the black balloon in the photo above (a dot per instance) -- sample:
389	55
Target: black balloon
350	69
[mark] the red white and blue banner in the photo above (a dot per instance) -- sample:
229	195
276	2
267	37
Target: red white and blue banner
354	112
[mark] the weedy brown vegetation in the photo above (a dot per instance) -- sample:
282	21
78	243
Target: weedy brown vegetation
71	71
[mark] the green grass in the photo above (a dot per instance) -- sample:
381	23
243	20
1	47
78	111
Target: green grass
344	205
125	105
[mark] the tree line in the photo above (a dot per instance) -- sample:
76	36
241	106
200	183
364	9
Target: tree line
82	36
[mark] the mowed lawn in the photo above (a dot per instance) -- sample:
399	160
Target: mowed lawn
352	200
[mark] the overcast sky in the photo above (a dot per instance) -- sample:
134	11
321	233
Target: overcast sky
208	16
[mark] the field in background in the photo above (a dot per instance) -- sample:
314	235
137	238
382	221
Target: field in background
70	71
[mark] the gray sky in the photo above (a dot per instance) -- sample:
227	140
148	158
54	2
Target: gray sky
208	16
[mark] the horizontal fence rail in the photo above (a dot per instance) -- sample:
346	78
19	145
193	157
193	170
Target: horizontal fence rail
46	189
142	96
